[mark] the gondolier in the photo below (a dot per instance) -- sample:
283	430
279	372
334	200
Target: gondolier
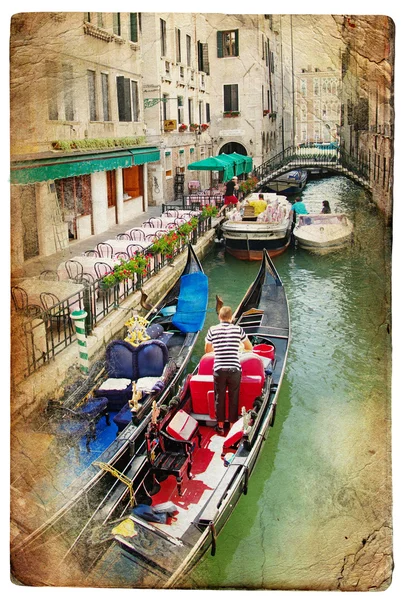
225	339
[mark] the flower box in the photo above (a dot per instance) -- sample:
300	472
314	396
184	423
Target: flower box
182	127
204	126
266	112
231	113
194	127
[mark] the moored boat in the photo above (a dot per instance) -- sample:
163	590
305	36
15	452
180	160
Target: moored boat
292	182
196	476
323	233
91	439
248	233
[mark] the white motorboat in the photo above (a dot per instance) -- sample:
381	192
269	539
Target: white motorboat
323	232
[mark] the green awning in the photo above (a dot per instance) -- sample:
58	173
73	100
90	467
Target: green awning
247	160
214	163
60	167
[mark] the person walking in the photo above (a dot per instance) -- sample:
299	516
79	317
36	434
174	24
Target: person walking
229	196
225	339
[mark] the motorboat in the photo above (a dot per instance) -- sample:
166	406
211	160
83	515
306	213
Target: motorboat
323	232
247	232
292	182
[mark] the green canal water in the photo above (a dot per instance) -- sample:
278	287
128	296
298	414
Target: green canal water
318	510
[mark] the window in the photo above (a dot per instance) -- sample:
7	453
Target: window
180	109
201	112
189	50
207	112
178	45
165	107
203	58
316	87
68	90
168	163
135	101
303	87
117	23
231	98
92	95
163	37
227	43
190	110
99	19
133	182
111	189
133	22
105	97
87	17
124	99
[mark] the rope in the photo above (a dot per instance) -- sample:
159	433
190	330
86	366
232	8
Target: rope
120	476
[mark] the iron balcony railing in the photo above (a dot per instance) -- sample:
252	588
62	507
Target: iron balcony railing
44	335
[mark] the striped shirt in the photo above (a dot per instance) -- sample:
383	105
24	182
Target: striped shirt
226	339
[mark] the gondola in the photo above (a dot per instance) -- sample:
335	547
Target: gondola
190	478
95	437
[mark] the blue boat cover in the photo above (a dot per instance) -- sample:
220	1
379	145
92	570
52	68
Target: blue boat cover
192	303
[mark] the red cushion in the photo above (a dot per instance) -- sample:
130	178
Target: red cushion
182	426
234	435
252	364
199	386
206	364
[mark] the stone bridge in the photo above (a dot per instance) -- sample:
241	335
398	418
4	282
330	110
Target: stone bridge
325	157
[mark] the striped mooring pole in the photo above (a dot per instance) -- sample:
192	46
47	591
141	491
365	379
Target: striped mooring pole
78	316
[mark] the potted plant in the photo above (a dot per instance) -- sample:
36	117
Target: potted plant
266	112
182	127
204	126
231	113
194	127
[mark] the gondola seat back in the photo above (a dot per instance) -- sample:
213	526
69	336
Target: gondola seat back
200	385
182	426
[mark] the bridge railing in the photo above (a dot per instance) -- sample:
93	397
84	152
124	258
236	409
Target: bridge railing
306	155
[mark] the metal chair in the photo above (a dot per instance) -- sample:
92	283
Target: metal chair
56	310
102	269
123	255
34	310
123	236
91	253
171	213
105	250
153	222
132	249
20	298
74	269
151	237
137	234
49	275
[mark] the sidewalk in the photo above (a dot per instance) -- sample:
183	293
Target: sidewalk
35	266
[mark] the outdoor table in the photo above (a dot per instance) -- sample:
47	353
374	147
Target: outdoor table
62	289
122	245
88	264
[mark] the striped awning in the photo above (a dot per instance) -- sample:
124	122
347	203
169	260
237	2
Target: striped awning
60	167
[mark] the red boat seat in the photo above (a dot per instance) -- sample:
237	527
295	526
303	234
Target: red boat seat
200	385
250	388
206	364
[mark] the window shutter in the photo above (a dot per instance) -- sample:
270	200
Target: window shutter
200	57
219	44
227	98
236	42
134	27
127	99
120	98
234	97
205	58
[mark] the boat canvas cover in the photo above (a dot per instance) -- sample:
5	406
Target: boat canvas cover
192	303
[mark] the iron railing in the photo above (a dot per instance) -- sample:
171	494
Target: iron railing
48	333
312	155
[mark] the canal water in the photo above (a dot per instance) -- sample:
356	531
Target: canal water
317	515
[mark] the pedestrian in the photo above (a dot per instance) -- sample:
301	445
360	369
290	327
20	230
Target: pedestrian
326	210
229	196
225	340
299	208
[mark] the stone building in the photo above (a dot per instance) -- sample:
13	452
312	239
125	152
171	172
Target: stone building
367	115
318	105
79	154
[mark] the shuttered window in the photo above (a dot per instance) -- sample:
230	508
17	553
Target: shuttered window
188	50
227	43
133	21
68	90
207	112
203	58
231	98
178	44
117	23
92	95
163	37
105	97
124	99
135	102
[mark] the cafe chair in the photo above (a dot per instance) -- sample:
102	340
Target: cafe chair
57	311
19	297
94	253
123	255
132	249
49	275
105	250
137	234
74	269
123	236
